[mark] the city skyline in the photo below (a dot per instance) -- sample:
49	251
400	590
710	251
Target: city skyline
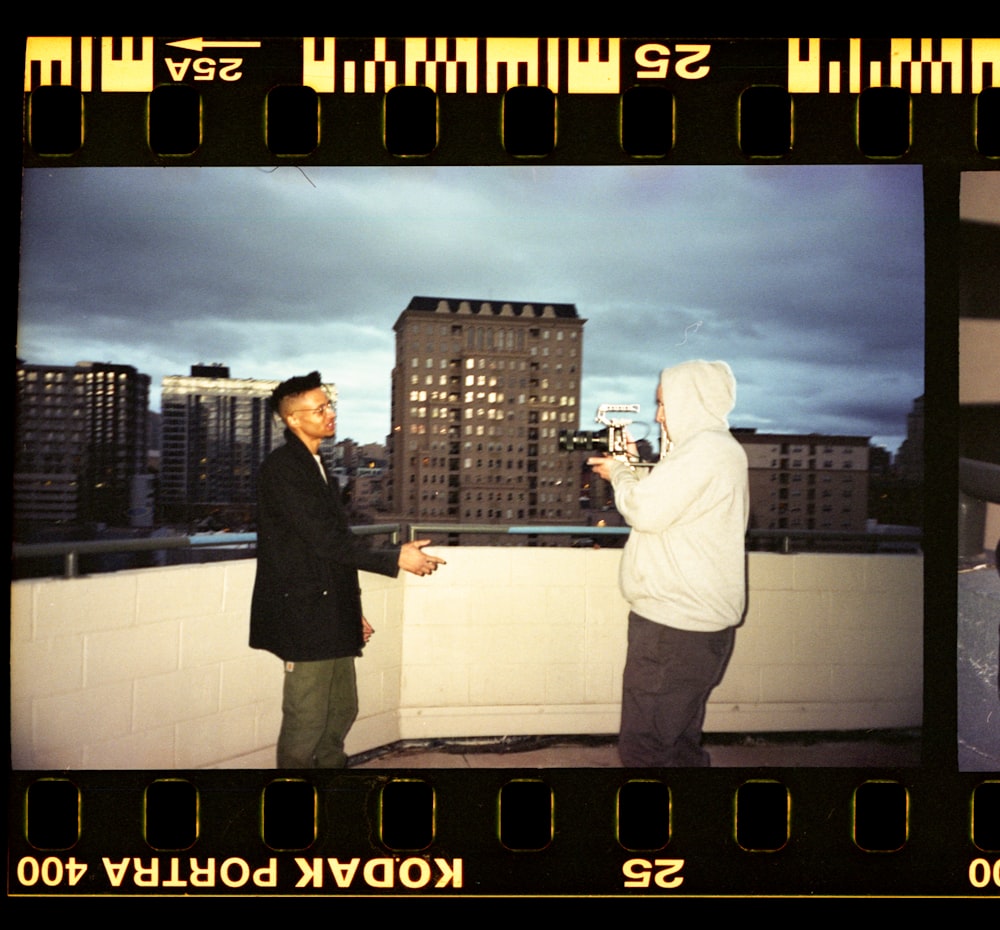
808	280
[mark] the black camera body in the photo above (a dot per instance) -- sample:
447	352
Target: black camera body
613	440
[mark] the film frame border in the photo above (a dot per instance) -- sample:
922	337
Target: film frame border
935	846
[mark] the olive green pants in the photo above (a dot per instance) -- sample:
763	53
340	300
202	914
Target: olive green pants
319	704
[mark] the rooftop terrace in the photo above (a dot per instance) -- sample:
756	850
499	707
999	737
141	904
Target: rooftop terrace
149	668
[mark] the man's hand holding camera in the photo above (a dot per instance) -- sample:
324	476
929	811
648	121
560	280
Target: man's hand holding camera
601	464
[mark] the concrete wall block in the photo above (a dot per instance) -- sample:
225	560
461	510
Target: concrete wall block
384	649
740	685
237	586
783	683
472	565
441	604
828	571
604	604
780	613
561	604
133	653
893	573
180	591
769	571
76	605
379	690
902	649
756	643
886	682
445	646
22	610
22	748
68	722
602	682
253	679
217	737
549	566
433	686
500	683
565	683
45	667
210	639
382	607
515	607
186	694
822	644
546	644
153	749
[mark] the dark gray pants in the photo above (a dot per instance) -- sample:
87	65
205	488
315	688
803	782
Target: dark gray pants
319	704
669	675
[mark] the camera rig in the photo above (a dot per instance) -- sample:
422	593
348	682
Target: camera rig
613	440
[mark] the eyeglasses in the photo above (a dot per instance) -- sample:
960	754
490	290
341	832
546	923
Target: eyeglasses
321	411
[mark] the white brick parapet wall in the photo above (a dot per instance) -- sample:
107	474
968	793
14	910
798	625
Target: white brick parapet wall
150	669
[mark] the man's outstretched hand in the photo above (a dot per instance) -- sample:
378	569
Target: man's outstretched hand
413	559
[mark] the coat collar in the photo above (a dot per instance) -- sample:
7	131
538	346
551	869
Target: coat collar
300	449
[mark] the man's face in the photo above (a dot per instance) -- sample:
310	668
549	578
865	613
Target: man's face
661	417
311	416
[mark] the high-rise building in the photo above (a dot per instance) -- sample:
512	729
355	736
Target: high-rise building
806	482
910	457
480	391
80	441
216	432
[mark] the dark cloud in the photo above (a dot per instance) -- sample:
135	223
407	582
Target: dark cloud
809	280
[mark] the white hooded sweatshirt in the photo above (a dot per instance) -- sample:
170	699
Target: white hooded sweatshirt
684	563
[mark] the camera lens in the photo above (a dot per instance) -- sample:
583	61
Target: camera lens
582	440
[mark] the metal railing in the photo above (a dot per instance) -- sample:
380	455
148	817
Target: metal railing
423	530
908	539
782	540
71	551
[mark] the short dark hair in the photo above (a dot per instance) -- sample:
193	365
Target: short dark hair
300	384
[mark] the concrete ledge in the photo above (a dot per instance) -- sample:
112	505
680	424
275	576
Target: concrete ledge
151	669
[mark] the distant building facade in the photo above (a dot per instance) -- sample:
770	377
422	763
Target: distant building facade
910	457
216	430
897	493
807	482
81	443
480	391
368	489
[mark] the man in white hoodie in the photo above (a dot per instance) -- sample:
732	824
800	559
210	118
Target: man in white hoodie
683	571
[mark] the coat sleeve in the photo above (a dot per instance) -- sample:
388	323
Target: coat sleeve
302	514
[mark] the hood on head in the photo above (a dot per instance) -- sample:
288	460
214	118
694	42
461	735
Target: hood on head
696	396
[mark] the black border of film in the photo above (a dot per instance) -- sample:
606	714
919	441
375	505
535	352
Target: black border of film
938	857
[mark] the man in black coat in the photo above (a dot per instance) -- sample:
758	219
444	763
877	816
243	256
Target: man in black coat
306	606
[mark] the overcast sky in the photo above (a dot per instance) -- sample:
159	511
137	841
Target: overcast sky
808	280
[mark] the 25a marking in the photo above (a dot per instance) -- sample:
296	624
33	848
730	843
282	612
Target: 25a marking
205	69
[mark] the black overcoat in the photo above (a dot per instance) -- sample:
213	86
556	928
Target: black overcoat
306	598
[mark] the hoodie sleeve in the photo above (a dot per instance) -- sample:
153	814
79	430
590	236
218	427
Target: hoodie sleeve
679	489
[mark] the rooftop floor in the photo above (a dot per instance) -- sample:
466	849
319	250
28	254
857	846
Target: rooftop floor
884	749
877	749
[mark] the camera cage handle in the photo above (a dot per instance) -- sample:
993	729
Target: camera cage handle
617	443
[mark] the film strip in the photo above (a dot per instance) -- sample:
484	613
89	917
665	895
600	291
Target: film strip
924	830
